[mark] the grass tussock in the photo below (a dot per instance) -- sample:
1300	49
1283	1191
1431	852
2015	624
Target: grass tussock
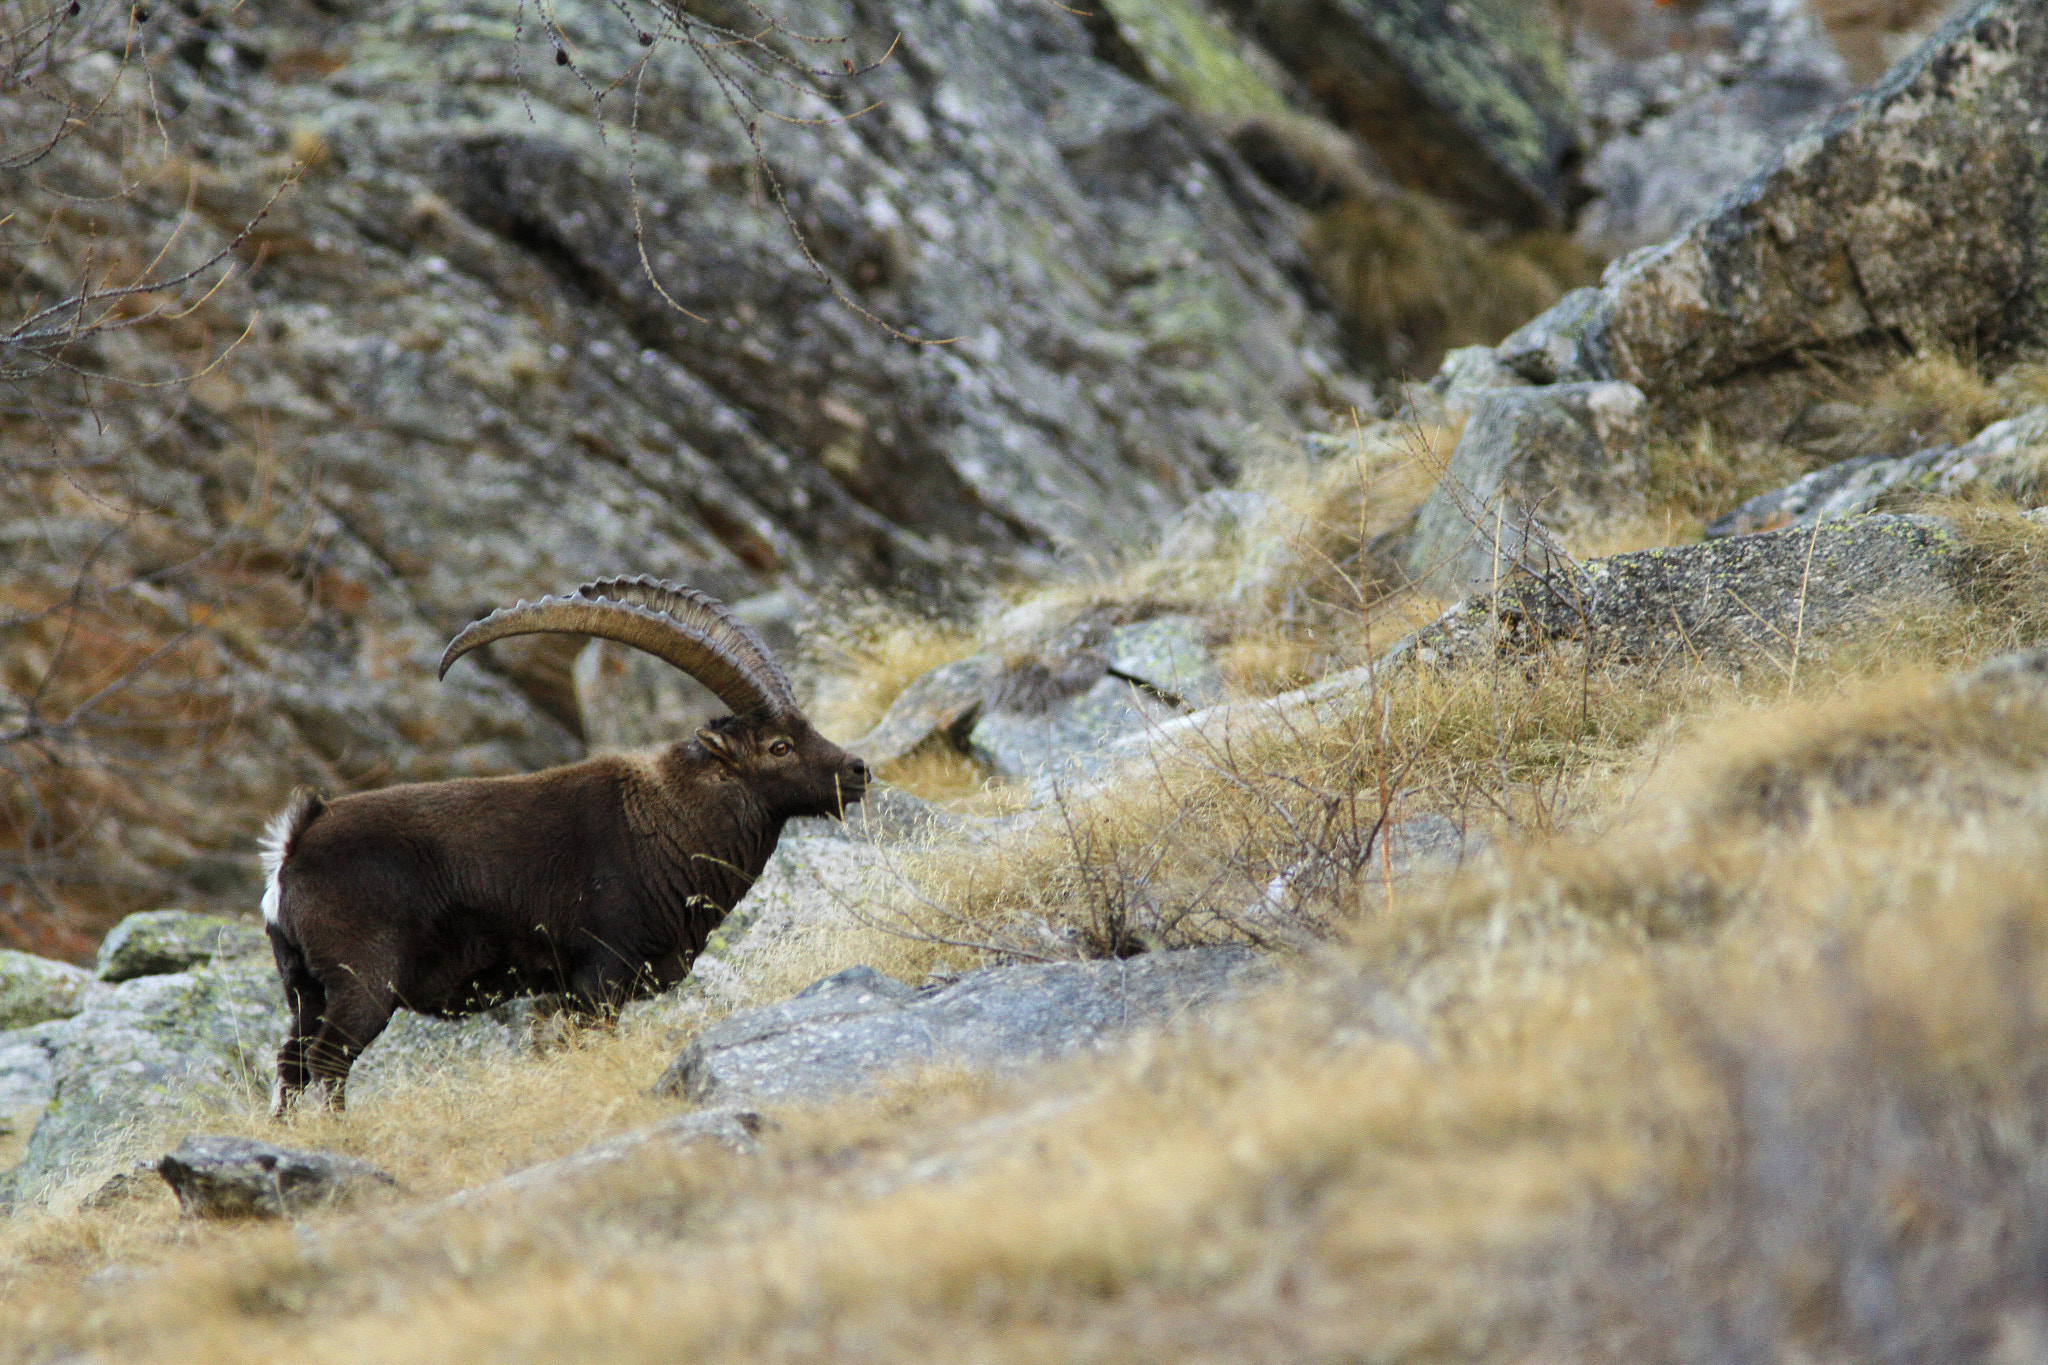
1307	578
1413	283
872	651
1934	399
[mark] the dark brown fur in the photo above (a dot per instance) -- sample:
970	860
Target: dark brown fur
601	880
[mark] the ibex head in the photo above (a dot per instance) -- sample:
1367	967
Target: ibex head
766	743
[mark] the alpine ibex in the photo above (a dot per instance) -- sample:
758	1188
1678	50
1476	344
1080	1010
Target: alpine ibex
599	879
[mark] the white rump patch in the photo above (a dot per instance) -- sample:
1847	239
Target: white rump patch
276	845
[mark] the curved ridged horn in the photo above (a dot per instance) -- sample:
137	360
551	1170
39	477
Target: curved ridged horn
680	626
686	604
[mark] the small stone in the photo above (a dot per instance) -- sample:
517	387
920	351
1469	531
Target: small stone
1170	655
1546	350
234	1177
1530	461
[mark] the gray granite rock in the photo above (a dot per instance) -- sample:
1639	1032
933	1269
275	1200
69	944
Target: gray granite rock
939	707
1843	489
1068	738
158	942
1214	525
732	1128
851	1029
28	1074
28	1077
1685	108
887	814
34	989
1467	374
1727	603
1530	461
2008	459
1486	117
1170	655
237	1177
415	1047
1908	216
1545	350
143	1050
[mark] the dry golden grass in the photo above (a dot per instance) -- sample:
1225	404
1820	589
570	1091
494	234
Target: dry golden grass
873	651
1937	398
1557	1124
1737	1017
1413	283
1310	583
1178	848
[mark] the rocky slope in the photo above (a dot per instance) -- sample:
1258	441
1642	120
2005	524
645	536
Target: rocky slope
1690	900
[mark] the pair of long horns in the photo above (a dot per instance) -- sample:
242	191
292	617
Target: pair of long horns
697	633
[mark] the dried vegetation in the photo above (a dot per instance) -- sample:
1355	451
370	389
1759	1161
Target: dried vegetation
1729	1045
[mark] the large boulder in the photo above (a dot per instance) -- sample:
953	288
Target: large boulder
1727	603
1169	656
34	989
1910	216
857	1026
159	942
144	1050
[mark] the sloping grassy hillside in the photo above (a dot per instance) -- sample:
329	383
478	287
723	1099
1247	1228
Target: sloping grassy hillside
1728	1044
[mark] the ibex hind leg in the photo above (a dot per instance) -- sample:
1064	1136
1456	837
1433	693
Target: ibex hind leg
355	1014
306	999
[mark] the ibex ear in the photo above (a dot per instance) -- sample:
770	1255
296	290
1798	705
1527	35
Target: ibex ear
720	745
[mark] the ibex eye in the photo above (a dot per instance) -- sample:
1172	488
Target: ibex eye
779	747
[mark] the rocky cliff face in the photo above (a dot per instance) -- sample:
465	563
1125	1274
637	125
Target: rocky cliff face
509	323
